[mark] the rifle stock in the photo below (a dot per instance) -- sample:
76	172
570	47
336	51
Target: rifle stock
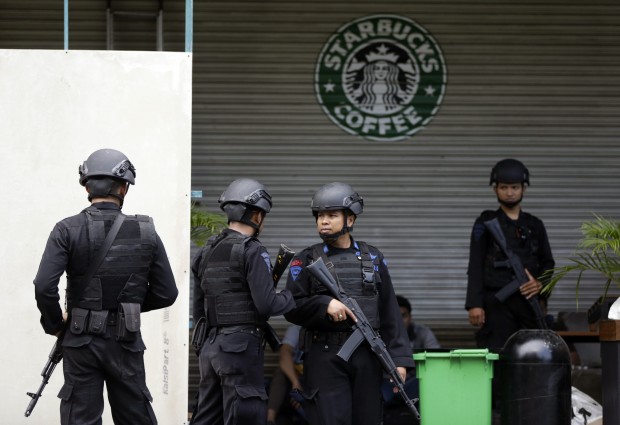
285	255
362	331
514	263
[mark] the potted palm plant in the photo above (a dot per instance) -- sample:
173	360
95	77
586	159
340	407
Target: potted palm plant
598	251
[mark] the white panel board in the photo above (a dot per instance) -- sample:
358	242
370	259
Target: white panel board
56	108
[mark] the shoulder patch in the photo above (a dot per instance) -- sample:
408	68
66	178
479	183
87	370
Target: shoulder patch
265	256
295	268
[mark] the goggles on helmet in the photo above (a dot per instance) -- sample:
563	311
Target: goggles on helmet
121	168
256	196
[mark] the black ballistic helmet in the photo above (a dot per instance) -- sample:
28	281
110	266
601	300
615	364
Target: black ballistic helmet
337	196
509	171
244	195
107	163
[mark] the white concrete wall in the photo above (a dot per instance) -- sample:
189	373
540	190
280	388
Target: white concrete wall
56	107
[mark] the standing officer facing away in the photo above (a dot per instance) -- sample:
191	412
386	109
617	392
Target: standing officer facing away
344	393
234	292
102	342
527	238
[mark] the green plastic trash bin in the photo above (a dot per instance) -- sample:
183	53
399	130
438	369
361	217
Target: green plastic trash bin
455	386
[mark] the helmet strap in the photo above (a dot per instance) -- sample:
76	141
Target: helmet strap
247	219
332	237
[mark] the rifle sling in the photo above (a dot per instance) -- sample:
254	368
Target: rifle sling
96	263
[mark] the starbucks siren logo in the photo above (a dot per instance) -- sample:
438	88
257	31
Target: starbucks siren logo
381	77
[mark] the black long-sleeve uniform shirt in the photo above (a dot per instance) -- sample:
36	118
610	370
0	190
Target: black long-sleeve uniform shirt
267	301
526	237
68	250
311	303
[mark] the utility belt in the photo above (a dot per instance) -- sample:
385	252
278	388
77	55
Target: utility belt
125	321
248	329
202	329
330	338
254	330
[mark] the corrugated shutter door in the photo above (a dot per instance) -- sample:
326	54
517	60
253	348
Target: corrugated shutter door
536	81
523	81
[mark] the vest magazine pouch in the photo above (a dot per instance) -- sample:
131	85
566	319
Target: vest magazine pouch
128	322
79	320
98	321
134	290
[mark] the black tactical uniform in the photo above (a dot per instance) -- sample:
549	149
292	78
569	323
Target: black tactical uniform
527	238
136	273
487	272
339	392
234	291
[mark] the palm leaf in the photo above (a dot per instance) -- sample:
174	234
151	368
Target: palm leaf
204	224
601	234
598	252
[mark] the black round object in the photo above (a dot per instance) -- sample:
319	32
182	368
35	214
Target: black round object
535	373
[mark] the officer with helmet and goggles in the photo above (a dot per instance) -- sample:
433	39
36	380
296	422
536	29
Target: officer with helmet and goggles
116	267
526	237
338	392
234	294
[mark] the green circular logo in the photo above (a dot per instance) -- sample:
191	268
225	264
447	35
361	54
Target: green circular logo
381	77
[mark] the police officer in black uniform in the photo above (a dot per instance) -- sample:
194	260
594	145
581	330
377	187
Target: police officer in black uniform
234	292
102	342
526	237
344	393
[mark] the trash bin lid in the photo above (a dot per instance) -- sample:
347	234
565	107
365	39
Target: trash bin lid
458	353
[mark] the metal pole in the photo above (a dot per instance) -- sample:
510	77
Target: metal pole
66	24
189	24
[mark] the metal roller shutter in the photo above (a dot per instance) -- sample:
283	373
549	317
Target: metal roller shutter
535	80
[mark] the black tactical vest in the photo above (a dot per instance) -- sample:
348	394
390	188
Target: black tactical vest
228	300
123	275
355	273
521	240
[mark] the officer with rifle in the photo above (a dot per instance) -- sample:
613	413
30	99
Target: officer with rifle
345	356
116	268
509	251
234	295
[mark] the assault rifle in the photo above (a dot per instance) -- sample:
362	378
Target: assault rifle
362	331
285	255
54	358
514	263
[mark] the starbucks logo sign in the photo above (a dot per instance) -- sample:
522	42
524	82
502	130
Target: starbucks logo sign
381	77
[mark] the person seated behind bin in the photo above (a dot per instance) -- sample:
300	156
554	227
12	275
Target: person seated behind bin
286	378
421	338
